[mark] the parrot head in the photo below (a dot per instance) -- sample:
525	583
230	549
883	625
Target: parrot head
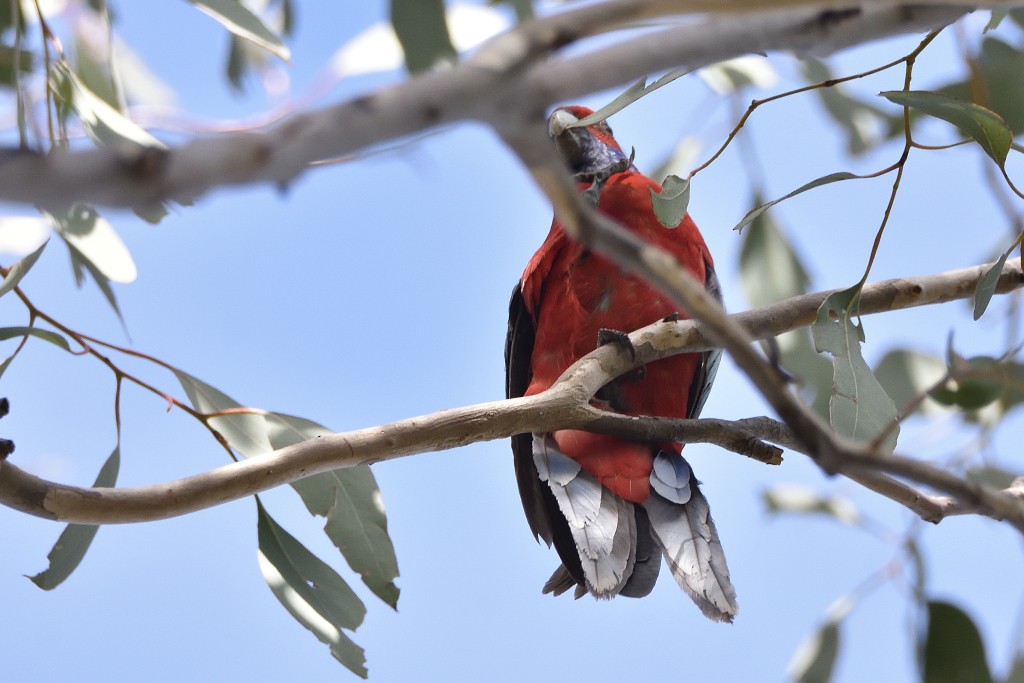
588	150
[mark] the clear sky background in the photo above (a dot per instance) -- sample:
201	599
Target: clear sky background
377	290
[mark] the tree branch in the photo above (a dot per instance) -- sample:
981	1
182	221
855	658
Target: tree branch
512	79
564	405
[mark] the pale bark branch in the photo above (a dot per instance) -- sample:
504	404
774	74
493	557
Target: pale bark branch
564	405
513	79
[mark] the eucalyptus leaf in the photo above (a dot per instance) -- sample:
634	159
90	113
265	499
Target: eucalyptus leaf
859	407
311	591
953	649
245	432
20	269
805	500
46	335
350	500
242	22
824	180
670	204
74	541
983	125
422	30
629	96
907	374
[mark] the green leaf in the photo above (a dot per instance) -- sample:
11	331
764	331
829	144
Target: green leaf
906	374
953	649
859	407
824	180
422	30
74	541
995	18
670	204
52	337
861	121
245	432
103	123
12	61
990	475
311	591
974	383
982	125
94	239
805	500
629	96
770	268
988	281
1016	673
239	20
815	658
987	286
350	500
20	269
93	66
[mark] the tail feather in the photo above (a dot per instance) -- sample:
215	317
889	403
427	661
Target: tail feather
601	523
689	541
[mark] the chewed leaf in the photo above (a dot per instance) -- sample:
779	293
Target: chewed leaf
824	180
74	541
983	125
670	205
859	407
239	20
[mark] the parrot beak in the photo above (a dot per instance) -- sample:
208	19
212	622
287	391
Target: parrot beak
582	151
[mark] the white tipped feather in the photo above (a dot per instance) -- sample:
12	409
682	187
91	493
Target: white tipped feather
689	541
601	523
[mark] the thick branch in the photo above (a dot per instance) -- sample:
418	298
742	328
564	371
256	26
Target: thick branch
565	405
512	79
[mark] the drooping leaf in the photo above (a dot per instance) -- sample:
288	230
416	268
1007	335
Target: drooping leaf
861	121
242	22
350	500
987	286
906	374
805	500
74	541
815	658
974	383
94	239
771	270
20	269
670	205
824	180
103	123
983	125
93	66
988	281
422	30
47	335
80	263
953	649
311	591
245	432
859	407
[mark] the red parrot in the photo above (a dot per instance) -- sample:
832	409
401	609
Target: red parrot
612	507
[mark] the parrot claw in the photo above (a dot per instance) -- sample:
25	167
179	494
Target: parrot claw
606	336
672	317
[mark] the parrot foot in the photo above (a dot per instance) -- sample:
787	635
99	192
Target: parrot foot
672	317
606	336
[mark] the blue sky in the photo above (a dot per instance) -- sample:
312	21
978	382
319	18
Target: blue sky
377	290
